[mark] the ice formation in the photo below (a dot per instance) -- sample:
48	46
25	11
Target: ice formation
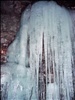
40	55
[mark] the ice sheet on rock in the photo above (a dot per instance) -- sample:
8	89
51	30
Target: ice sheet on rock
43	23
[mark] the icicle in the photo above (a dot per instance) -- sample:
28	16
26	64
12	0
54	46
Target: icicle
41	55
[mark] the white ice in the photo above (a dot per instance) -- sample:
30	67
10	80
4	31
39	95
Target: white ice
54	23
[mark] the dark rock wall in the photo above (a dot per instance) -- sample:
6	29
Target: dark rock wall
10	19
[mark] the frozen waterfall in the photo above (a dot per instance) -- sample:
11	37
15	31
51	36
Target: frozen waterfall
40	58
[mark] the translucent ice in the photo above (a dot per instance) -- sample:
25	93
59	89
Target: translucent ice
45	33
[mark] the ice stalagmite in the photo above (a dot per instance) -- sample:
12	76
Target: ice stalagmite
39	63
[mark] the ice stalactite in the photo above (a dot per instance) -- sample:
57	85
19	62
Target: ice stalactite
40	58
72	12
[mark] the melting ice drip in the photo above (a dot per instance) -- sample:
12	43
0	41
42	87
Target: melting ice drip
40	58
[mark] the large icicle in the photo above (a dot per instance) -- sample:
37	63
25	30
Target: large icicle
40	58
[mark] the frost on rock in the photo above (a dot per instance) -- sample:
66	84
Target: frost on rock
40	58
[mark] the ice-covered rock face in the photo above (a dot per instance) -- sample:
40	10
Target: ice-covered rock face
44	37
